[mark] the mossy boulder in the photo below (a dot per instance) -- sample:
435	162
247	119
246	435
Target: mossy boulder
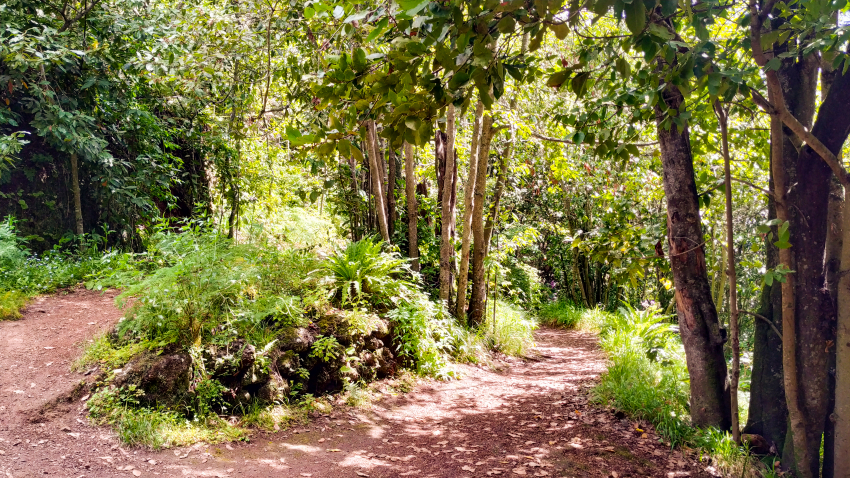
162	377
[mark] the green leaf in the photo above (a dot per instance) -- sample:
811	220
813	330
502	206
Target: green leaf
623	68
558	79
579	83
359	60
537	40
635	17
314	195
561	30
412	7
507	24
668	7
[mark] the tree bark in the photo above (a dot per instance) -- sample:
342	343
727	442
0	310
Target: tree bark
698	323
375	173
468	205
479	252
768	413
841	438
412	206
447	211
815	319
75	191
391	184
722	117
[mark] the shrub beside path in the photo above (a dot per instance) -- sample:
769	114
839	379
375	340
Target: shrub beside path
525	418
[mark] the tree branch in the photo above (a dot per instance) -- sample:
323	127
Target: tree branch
70	21
769	322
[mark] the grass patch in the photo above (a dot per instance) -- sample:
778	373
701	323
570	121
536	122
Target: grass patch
101	351
510	331
560	313
11	303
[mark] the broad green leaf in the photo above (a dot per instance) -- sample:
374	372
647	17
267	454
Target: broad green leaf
635	17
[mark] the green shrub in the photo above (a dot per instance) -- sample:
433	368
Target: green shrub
12	252
213	286
428	336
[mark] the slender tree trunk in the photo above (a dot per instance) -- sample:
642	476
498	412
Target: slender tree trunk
75	191
412	206
447	248
797	423
698	323
375	172
722	117
479	252
468	205
768	413
841	440
391	185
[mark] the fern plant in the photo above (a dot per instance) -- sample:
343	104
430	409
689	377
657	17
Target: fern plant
363	272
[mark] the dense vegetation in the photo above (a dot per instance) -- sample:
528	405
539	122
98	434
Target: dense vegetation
423	179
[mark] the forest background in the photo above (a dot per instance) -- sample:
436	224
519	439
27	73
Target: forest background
529	158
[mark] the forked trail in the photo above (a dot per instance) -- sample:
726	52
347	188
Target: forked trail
530	418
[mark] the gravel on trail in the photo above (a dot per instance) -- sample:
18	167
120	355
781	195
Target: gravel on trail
526	417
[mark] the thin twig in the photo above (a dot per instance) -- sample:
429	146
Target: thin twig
769	322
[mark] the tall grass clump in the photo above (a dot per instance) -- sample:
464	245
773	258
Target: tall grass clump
646	376
560	313
510	330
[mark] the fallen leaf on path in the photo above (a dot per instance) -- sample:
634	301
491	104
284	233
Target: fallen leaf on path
49	348
360	473
306	474
137	473
333	450
467	468
518	471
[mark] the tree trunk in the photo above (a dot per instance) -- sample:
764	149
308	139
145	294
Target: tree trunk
412	206
468	206
447	211
698	324
722	117
841	438
75	191
375	172
768	413
815	318
391	184
479	252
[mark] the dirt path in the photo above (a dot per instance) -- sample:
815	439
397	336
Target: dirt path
529	419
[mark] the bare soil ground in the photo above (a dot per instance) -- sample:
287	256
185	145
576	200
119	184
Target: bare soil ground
528	418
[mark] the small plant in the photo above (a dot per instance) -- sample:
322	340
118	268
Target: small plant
326	348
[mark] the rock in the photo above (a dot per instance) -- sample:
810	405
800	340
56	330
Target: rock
255	375
287	363
229	361
381	329
275	389
372	343
335	323
164	379
386	362
298	339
